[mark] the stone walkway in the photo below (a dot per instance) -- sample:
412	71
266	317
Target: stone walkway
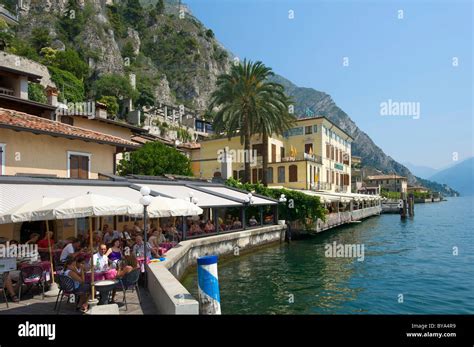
31	303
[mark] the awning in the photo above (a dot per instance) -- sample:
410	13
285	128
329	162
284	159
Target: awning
257	200
14	194
181	191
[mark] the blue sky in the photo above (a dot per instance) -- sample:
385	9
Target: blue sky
405	60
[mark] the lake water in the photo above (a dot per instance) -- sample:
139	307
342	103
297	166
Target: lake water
410	261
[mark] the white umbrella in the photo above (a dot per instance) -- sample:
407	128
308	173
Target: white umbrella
87	205
25	212
168	207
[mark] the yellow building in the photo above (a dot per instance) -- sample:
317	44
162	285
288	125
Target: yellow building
35	146
314	154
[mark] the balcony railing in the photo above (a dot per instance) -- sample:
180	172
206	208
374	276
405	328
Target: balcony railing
304	156
7	91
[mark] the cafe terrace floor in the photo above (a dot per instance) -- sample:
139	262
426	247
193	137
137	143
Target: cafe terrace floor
31	303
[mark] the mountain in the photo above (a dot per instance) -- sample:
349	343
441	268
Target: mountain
459	176
174	57
421	171
309	101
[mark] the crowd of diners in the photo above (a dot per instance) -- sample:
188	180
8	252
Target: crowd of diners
120	250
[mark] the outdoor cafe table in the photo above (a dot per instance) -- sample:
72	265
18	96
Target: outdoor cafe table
101	275
104	287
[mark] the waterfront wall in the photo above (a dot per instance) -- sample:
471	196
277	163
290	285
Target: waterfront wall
169	295
335	219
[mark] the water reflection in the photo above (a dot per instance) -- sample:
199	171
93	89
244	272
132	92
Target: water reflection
413	257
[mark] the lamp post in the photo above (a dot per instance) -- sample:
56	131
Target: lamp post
145	200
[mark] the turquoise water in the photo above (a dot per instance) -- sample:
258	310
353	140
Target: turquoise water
413	258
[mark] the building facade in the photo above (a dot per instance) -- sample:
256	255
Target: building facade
391	183
315	154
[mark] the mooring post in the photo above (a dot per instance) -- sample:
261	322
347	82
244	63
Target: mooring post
208	285
411	205
403	213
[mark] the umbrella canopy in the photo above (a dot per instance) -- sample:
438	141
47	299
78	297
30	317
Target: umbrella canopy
26	212
87	205
168	207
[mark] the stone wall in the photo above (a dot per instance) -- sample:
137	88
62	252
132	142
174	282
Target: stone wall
24	64
169	294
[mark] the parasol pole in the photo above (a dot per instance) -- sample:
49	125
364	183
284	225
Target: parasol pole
53	289
92	258
50	251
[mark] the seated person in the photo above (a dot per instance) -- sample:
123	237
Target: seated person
125	234
100	260
72	249
109	234
6	281
139	248
209	227
75	269
237	223
172	233
136	229
252	221
195	229
156	238
128	264
115	252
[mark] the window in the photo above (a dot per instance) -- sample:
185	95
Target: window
328	151
78	165
258	148
274	153
308	130
2	159
293	173
308	148
281	174
328	178
254	176
234	174
282	152
315	128
270	175
241	174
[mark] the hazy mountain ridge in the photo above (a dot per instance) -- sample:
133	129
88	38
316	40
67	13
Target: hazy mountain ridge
459	176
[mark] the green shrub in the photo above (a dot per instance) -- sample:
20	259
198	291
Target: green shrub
69	86
36	93
299	207
155	159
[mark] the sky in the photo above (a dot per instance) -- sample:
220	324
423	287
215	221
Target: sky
363	54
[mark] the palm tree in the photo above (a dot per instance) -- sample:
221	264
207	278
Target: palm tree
273	121
245	102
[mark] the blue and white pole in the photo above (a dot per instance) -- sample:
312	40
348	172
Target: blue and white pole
208	285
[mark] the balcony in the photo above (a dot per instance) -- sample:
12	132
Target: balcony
304	156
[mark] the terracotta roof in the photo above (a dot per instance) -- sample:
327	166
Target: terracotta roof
385	177
16	120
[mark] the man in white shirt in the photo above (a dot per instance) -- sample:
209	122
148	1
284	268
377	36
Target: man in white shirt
71	249
100	260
